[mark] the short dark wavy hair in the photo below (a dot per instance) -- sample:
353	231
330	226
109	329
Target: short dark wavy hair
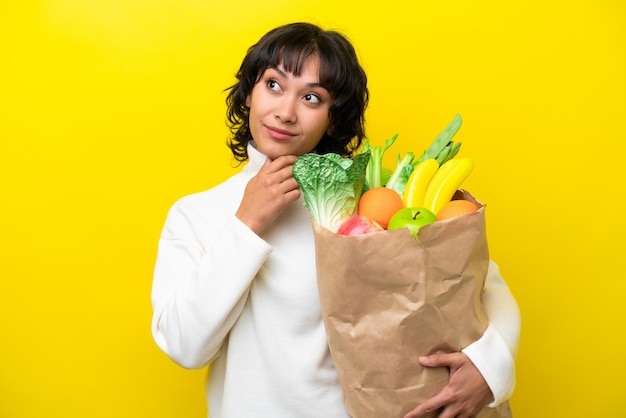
340	73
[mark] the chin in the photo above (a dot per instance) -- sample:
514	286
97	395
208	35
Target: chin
276	150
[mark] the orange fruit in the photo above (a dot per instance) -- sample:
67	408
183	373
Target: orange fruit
380	204
455	208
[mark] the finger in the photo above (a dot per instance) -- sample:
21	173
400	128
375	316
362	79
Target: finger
279	170
292	195
441	360
289	186
437	402
290	183
282	161
450	412
427	407
270	166
443	402
270	176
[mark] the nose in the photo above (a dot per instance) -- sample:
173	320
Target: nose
285	110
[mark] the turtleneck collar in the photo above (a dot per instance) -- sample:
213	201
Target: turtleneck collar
256	159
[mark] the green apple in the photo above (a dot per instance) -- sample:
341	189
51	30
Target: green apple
412	218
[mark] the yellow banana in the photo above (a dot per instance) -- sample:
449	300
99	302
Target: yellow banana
413	196
445	182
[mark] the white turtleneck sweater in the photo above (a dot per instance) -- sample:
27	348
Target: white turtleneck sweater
248	305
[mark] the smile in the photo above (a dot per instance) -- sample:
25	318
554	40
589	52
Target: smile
279	134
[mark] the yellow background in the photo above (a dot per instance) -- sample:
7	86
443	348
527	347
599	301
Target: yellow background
110	110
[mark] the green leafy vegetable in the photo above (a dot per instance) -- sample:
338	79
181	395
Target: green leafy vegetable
377	175
374	172
331	185
400	176
442	148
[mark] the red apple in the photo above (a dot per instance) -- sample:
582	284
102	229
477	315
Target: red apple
358	225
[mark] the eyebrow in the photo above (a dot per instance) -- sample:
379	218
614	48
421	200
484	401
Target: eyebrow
284	75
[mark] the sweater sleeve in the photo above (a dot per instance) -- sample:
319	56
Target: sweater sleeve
494	353
200	285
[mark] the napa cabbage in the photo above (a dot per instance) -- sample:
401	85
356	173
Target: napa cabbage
331	185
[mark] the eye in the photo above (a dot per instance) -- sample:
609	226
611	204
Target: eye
312	98
273	85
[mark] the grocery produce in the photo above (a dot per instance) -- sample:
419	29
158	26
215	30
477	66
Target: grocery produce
411	218
374	170
378	176
399	177
441	149
344	194
358	225
446	181
456	208
331	186
413	195
380	204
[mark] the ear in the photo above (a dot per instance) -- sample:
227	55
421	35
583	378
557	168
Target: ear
330	129
248	101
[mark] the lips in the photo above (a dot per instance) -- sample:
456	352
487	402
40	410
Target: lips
279	134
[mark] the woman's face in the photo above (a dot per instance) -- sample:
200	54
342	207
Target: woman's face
289	114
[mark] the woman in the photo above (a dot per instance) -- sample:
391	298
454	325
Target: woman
235	279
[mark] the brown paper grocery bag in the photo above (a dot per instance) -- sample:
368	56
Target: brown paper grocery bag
387	299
